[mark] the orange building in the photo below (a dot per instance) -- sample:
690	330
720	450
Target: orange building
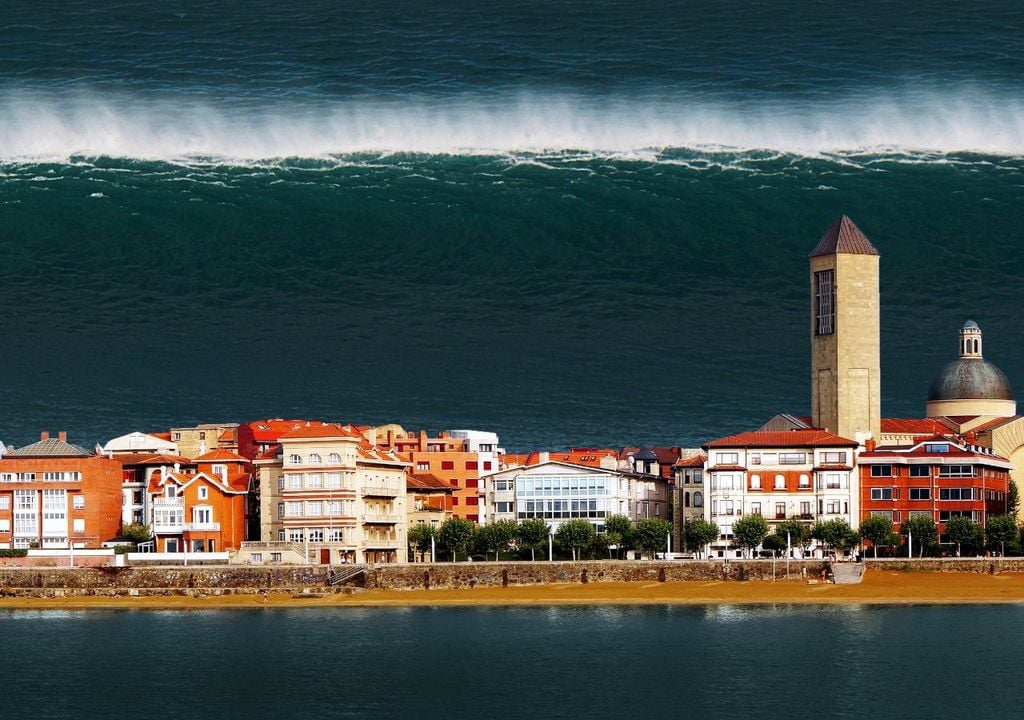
205	511
54	494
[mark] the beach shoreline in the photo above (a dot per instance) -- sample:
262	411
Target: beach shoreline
879	587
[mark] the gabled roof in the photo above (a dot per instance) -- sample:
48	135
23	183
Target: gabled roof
238	483
692	461
311	430
269	430
844	238
151	459
50	448
427	481
221	455
783	439
785	421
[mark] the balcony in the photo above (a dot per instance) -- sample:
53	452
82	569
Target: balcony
380	491
202	527
168	528
381	519
165	502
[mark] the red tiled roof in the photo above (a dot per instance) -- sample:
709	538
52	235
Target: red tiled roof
844	238
270	453
321	430
733	468
590	457
221	455
782	439
264	431
161	435
913	426
151	459
228	435
693	461
426	481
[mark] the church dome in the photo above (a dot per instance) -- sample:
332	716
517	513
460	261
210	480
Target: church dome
970	379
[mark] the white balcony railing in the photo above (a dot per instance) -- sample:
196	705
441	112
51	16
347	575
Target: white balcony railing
168	502
381	491
384	519
202	527
168	528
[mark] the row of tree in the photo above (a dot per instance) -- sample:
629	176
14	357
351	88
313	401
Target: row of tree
457	537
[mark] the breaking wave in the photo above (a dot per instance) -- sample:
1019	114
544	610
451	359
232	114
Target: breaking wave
51	127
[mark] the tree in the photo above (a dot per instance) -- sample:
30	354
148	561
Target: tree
532	534
455	535
835	533
496	537
962	531
921	530
774	543
575	535
798	534
1012	500
651	534
420	536
700	532
876	530
750	531
621	527
136	532
1000	530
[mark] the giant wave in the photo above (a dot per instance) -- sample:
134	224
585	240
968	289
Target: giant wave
53	127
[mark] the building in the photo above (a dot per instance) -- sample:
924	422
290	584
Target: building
807	475
845	344
194	441
556	491
939	477
54	494
139	443
330	495
687	493
201	511
137	471
428	501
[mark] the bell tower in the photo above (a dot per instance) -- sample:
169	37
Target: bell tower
845	346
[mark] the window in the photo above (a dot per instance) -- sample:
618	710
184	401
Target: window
755	482
473	500
882	513
833	507
314	481
280	482
780	482
280	510
805	481
78	503
202	436
503	507
171	491
956	471
316	535
755	508
755	458
919	513
281	536
295	482
502	485
835	458
294	459
334	459
920	493
486	447
792	458
314	508
204	493
881	471
805	509
956	493
833	481
422	466
336	535
880	493
275	556
728	458
946	515
78	525
936	447
472	465
256	558
920	471
293	509
447	464
698	499
472	482
315	459
487	465
824	302
780	511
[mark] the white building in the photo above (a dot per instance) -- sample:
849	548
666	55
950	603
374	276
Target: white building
140	442
807	475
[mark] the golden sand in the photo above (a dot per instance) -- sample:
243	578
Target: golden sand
878	587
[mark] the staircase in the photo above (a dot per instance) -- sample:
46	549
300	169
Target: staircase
345	574
847	573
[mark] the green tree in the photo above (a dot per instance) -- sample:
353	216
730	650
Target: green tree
136	532
700	532
962	531
1012	500
798	533
621	527
774	543
651	535
835	533
876	530
532	533
496	537
1000	530
920	529
750	531
420	536
575	535
455	535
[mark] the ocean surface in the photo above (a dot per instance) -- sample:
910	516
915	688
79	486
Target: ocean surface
770	662
573	223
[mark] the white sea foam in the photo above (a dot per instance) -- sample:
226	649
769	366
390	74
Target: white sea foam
37	127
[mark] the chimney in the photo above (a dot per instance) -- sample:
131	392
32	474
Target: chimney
44	435
543	457
62	436
870	445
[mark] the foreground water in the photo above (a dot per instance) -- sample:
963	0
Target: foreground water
571	223
544	662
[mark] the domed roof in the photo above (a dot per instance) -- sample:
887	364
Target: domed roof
971	325
970	379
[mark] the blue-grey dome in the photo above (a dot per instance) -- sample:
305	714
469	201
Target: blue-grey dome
970	379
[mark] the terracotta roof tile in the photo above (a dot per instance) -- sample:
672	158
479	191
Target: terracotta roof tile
783	439
912	426
844	238
321	430
221	455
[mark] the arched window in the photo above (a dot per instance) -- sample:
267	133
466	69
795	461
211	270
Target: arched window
755	482
686	500
780	482
294	459
334	459
315	459
698	499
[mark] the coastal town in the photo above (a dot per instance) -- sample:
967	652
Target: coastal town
834	484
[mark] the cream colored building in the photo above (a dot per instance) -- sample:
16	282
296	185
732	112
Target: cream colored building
845	364
201	439
331	497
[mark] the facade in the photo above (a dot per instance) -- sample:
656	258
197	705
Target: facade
137	471
428	501
806	475
333	497
458	457
139	443
687	494
845	344
54	495
556	492
940	477
204	511
194	441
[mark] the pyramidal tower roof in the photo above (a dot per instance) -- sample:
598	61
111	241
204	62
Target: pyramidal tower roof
844	238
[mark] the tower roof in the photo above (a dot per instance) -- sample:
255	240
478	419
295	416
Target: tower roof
844	238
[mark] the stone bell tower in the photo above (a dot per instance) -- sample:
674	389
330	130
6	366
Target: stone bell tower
845	346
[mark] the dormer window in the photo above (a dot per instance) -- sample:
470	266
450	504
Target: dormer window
936	448
171	491
221	471
204	493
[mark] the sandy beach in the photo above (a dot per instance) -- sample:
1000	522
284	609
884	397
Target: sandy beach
878	587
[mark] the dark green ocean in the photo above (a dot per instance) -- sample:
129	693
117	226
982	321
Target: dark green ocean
572	223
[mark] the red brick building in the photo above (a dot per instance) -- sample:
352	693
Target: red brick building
53	494
941	477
